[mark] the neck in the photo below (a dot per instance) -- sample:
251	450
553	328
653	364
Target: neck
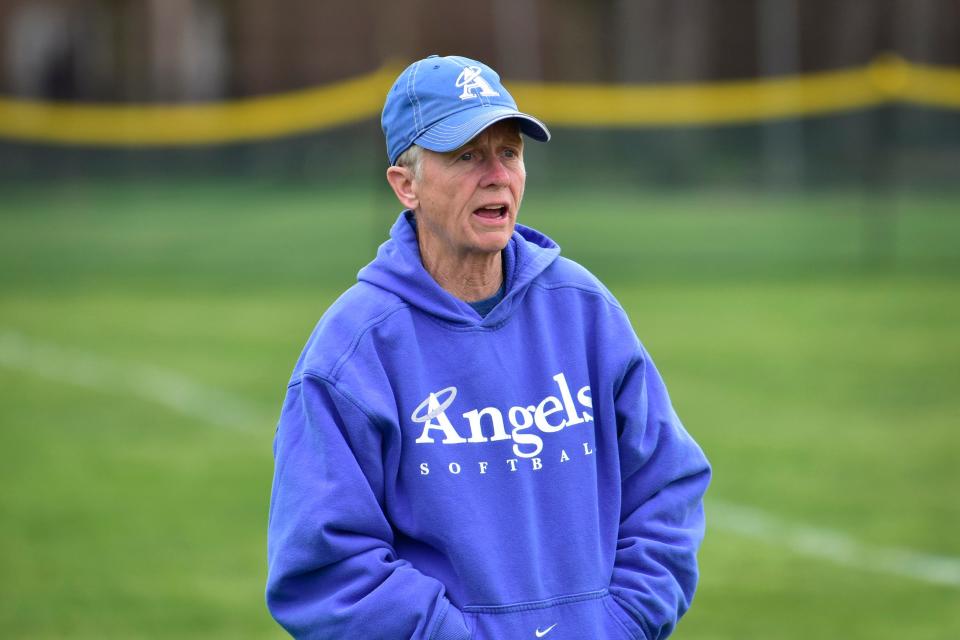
471	277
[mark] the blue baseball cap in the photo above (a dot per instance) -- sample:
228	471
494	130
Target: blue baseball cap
440	103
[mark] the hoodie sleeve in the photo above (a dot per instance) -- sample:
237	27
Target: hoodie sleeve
664	475
332	570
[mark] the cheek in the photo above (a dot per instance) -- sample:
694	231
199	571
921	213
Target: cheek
520	186
438	199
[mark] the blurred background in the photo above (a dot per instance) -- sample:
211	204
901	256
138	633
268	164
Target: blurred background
770	187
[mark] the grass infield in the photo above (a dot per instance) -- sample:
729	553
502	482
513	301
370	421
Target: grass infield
809	343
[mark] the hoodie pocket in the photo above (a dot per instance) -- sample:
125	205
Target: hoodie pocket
583	616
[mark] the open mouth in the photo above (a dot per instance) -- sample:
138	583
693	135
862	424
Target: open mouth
492	212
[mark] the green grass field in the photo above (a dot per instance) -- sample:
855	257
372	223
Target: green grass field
147	332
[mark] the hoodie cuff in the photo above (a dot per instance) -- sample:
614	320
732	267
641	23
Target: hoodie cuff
452	626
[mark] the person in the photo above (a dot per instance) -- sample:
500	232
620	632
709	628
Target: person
474	444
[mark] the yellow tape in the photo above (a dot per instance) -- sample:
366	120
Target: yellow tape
698	104
932	87
888	79
174	125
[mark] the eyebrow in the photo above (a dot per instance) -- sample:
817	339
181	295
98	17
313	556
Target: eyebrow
507	137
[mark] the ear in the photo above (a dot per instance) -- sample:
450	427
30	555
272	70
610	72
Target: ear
404	186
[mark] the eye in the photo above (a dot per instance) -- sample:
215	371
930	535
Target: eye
466	156
511	153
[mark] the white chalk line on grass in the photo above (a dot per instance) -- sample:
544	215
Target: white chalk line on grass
166	388
833	546
223	409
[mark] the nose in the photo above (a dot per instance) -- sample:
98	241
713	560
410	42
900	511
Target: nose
495	173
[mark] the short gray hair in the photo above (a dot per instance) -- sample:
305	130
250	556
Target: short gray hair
412	159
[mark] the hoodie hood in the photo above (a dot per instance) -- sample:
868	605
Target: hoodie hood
399	270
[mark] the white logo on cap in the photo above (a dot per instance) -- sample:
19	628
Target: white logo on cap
473	84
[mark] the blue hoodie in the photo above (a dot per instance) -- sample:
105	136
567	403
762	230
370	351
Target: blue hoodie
442	476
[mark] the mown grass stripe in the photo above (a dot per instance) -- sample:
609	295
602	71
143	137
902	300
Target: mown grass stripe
224	409
152	384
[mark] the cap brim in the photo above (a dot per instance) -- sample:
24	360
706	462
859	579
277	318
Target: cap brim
458	129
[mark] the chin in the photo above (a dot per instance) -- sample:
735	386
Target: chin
495	242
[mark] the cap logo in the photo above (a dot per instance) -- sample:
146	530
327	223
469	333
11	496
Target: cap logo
473	84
